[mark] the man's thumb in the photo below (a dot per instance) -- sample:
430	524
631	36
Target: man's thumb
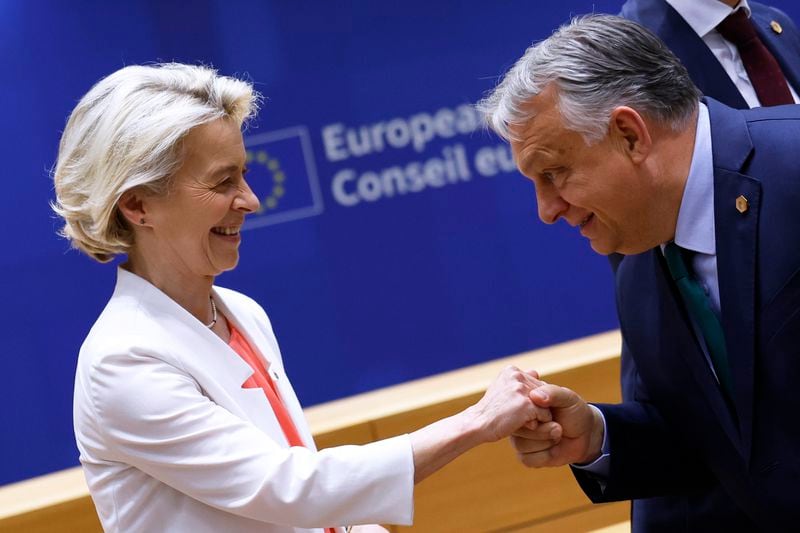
553	396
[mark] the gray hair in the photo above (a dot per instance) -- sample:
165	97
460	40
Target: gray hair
126	132
597	63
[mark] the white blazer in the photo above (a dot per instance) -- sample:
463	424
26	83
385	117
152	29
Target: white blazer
170	441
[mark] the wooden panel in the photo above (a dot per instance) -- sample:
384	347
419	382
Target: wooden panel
585	519
76	516
358	434
486	488
48	490
55	502
621	527
413	395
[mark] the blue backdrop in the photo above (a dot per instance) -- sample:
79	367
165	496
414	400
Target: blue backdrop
395	239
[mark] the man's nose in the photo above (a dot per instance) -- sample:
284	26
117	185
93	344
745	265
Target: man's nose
550	204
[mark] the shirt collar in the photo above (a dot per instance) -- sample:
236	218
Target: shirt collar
695	228
704	15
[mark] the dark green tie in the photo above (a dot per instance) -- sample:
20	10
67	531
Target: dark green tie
697	303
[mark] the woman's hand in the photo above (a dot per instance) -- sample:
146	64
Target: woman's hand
504	408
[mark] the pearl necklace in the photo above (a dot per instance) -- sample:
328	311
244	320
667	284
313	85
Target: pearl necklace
213	313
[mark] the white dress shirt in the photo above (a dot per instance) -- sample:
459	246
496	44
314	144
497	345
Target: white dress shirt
695	230
703	16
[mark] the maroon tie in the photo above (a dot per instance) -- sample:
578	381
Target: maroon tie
761	66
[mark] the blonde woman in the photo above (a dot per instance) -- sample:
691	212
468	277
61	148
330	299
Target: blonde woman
184	417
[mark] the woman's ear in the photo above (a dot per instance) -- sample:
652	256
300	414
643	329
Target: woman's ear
630	133
132	206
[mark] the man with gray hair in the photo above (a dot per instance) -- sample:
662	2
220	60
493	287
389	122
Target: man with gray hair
742	53
702	200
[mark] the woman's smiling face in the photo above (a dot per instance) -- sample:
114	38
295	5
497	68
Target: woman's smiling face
196	225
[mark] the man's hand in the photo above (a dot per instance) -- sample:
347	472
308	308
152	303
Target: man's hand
575	436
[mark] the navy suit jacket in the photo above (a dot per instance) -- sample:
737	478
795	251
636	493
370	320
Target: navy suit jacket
707	503
703	67
674	434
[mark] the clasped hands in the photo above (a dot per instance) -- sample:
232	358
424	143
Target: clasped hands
549	425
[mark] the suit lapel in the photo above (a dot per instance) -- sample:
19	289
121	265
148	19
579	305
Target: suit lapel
736	238
780	46
671	330
703	67
675	375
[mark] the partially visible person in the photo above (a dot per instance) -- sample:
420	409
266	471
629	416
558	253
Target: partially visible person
720	44
184	417
702	199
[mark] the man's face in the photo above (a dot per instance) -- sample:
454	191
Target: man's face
597	188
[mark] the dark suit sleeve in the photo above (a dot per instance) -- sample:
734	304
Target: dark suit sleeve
648	457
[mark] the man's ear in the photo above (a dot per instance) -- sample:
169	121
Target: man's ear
132	206
630	133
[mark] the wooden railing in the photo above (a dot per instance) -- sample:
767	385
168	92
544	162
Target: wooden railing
484	490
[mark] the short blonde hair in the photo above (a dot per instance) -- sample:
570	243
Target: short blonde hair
126	132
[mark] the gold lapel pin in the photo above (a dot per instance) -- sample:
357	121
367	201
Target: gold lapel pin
742	205
776	27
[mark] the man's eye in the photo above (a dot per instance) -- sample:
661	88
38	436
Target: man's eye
555	176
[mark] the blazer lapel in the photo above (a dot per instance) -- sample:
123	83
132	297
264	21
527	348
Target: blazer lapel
266	347
736	237
219	371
